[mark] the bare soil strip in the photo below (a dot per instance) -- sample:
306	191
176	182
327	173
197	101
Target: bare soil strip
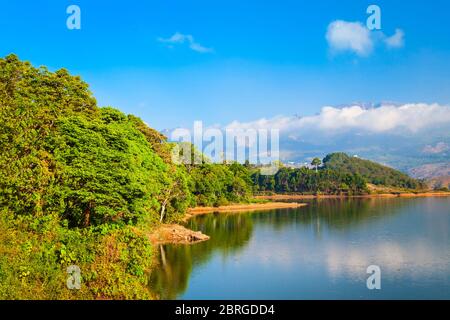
244	208
176	234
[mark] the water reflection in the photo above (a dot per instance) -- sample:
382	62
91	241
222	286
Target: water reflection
229	233
319	251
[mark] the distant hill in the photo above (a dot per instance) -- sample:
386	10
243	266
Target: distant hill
373	172
433	170
436	175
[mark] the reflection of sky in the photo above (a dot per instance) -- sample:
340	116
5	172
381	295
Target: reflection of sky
300	261
415	259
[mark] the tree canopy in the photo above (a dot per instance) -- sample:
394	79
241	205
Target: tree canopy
62	154
304	180
373	172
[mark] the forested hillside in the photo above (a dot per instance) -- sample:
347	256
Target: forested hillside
307	181
340	174
372	172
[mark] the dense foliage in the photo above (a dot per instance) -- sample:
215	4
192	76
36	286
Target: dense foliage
373	172
62	154
108	171
304	180
219	184
31	102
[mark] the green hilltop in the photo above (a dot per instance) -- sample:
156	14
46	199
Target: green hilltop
372	172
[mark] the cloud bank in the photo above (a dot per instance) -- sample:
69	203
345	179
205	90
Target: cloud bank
402	136
386	118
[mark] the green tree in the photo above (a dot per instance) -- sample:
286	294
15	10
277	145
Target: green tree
31	102
316	162
62	154
108	171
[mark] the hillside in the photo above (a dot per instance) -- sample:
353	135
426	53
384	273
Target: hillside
436	175
372	172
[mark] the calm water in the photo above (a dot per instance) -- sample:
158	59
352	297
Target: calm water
317	252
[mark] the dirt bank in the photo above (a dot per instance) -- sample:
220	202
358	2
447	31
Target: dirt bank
176	234
242	208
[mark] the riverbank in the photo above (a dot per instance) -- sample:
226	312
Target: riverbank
242	208
280	197
178	234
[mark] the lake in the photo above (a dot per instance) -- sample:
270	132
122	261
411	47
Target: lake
321	251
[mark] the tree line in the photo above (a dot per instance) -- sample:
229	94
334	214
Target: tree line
308	181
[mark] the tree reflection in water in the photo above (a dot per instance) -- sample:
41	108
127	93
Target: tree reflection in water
230	232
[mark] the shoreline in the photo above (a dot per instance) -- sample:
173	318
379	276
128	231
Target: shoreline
175	234
236	208
381	195
178	234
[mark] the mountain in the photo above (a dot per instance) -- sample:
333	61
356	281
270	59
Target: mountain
436	175
373	172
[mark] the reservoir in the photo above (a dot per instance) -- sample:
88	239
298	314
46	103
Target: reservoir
321	251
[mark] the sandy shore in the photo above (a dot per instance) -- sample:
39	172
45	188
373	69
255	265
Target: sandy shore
177	234
383	195
243	208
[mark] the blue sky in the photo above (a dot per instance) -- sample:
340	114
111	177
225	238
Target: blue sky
266	58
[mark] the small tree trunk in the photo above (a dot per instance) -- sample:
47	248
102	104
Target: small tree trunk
163	210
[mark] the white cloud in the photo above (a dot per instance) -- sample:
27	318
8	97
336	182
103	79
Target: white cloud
386	118
389	134
349	36
344	36
179	38
396	40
